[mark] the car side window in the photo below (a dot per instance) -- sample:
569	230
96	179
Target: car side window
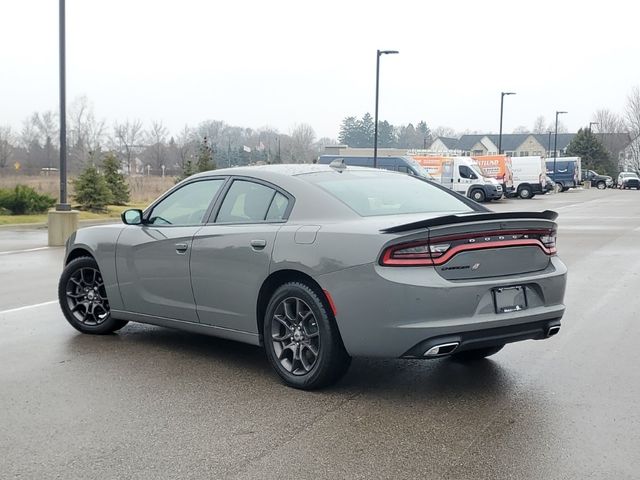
250	202
187	205
465	172
404	169
278	208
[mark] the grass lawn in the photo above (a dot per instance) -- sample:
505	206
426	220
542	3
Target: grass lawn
114	212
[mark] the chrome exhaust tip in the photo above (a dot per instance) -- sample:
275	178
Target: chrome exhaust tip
553	331
442	349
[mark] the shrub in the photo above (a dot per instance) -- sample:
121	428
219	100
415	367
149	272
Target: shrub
23	200
92	191
115	180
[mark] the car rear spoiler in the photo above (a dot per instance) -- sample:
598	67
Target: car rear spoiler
473	217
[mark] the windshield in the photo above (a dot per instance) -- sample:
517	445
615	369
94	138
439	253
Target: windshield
477	169
419	168
377	193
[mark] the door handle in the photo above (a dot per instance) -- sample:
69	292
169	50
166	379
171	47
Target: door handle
258	244
181	247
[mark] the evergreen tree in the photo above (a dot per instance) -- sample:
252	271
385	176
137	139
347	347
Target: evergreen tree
115	180
204	161
91	189
425	132
348	131
593	154
366	129
386	135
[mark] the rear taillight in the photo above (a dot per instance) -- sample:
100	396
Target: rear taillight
549	241
441	249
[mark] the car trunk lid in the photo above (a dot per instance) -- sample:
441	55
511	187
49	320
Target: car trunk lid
478	245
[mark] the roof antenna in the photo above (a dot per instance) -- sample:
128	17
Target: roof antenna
338	165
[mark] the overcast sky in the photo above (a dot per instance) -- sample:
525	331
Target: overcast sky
255	63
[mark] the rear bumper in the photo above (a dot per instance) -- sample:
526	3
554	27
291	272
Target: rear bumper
387	311
490	337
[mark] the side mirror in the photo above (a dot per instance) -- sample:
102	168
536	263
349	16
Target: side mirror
132	217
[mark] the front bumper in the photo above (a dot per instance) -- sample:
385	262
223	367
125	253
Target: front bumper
492	192
387	311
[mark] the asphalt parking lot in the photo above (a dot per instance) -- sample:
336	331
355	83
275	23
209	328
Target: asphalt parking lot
156	403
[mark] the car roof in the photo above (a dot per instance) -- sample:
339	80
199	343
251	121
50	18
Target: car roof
287	170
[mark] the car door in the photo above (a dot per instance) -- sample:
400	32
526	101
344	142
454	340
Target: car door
152	259
231	255
466	178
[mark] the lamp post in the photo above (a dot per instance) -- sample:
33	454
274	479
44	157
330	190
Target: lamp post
63	205
549	143
379	53
502	94
555	145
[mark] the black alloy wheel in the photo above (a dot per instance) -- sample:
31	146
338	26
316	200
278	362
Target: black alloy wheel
301	338
83	298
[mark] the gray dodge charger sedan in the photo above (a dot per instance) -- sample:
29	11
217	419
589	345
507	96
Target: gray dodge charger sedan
320	263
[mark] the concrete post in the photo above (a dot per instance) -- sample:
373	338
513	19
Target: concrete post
61	224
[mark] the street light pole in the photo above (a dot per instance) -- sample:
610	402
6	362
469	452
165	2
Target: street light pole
549	143
379	53
63	205
502	94
555	145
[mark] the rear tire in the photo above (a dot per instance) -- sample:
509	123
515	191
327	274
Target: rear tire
83	298
525	192
478	195
301	338
601	186
476	354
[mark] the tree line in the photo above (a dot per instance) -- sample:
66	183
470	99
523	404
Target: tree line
148	149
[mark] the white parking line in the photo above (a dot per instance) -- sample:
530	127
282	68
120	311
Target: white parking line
26	307
9	252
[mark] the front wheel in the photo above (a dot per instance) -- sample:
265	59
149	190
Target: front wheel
478	195
83	298
476	354
601	186
301	338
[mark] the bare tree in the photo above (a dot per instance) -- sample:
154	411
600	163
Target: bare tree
302	138
185	145
126	138
521	129
29	134
6	148
443	131
608	122
156	139
540	125
562	128
47	127
86	134
632	117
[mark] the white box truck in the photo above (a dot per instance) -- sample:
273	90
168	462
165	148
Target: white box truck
529	176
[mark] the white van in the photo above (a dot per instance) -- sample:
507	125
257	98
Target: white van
529	175
464	175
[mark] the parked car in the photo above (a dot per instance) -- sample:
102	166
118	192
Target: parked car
318	264
601	182
628	180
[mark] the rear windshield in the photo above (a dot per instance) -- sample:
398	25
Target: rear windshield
381	193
